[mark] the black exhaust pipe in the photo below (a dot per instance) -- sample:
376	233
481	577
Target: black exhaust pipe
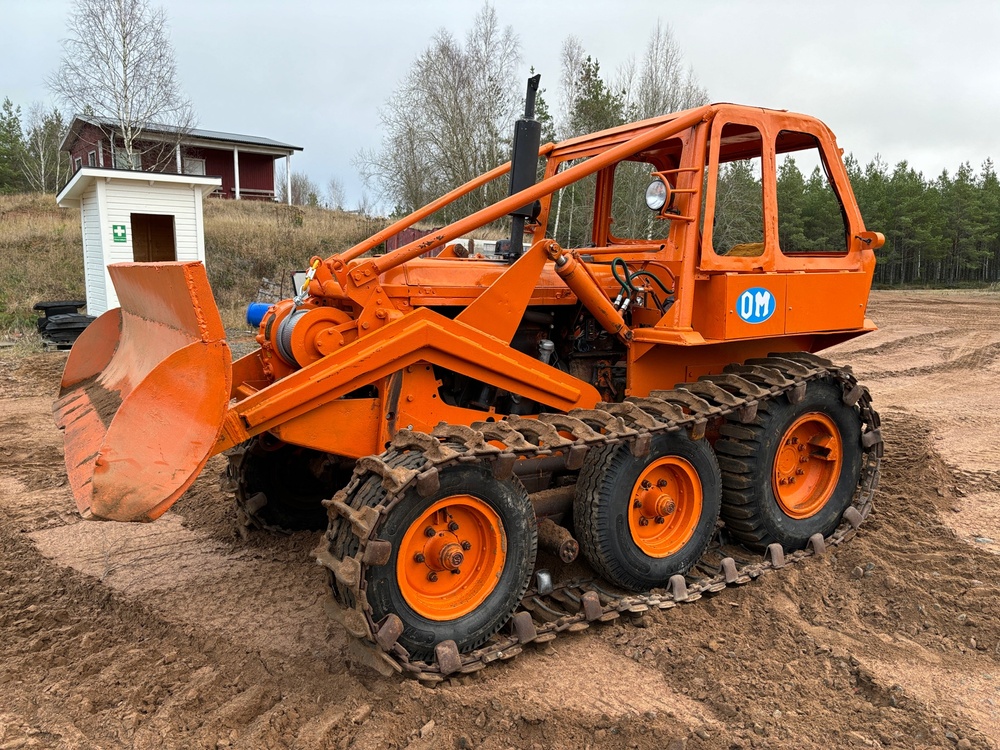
524	169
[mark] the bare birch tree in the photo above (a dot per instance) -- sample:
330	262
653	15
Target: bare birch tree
662	83
336	196
572	58
118	65
304	191
43	165
449	121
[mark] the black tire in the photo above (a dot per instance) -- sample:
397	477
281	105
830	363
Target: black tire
604	501
509	501
747	454
281	487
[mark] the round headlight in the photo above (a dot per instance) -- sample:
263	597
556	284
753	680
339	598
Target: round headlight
656	195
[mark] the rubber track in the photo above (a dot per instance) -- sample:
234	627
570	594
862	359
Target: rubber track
414	459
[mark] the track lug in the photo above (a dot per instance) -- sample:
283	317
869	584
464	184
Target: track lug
818	544
853	517
851	397
541	433
576	456
543	582
697	429
640	446
506	433
679	588
362	521
796	394
430	446
747	413
729	569
428	482
255	502
592	609
389	632
633	415
448	659
377	552
347	571
503	466
577	428
776	554
392	479
354	621
472	439
870	438
524	627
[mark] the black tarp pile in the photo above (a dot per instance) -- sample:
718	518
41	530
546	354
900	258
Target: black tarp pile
62	322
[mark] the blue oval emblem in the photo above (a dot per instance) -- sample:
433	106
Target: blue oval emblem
755	305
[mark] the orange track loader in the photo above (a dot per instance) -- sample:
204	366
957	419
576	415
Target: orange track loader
607	384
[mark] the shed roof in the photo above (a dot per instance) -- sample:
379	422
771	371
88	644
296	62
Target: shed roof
193	135
69	196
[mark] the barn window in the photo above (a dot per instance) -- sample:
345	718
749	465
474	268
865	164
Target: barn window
194	166
123	161
78	163
91	158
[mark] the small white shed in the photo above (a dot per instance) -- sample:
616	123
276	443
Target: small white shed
135	216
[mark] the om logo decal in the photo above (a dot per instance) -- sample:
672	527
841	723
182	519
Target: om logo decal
755	305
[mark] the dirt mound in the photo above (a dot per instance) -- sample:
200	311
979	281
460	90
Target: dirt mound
181	634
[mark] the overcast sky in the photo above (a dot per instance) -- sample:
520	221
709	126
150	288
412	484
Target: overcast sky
907	79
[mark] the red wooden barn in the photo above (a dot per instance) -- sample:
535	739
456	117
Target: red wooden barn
244	162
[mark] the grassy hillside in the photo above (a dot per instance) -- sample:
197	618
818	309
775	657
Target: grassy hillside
41	255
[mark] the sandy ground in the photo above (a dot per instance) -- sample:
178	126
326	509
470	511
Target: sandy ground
181	634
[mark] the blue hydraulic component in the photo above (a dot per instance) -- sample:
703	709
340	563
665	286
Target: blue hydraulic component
256	312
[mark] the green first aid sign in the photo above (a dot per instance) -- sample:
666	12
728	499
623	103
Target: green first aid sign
118	232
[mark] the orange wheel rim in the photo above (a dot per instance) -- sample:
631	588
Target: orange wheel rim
451	558
807	466
665	506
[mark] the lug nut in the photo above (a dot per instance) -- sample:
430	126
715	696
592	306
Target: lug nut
452	526
643	521
661	483
419	557
799	472
637	504
456	571
432	576
429	531
660	519
646	484
466	546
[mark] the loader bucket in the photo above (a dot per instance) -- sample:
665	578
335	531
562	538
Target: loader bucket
144	393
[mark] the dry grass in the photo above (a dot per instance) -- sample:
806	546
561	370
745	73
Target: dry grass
41	256
248	241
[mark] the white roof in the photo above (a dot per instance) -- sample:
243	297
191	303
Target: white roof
69	196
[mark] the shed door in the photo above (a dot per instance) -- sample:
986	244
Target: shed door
153	238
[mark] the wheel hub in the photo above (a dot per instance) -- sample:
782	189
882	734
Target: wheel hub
807	465
665	507
460	535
